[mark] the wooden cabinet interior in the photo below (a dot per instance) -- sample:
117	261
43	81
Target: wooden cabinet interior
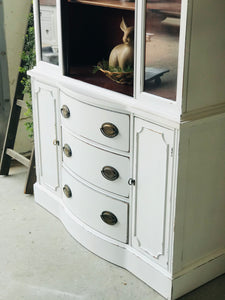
91	29
89	34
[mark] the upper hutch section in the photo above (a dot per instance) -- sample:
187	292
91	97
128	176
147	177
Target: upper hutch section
179	57
95	36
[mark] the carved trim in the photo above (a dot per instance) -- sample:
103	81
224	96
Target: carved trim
161	250
51	97
160	133
37	89
203	112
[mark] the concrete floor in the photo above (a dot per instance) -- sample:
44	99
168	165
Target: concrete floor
39	260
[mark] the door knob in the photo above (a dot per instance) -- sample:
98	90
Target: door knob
65	111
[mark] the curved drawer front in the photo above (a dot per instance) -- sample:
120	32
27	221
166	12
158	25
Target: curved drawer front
89	121
104	214
102	168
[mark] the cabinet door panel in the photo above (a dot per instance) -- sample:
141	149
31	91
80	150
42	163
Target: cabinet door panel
47	135
153	164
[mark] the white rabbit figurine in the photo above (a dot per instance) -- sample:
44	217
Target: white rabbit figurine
123	54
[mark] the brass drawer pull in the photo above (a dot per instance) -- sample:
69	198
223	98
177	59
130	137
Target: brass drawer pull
109	218
109	130
110	173
65	111
67	191
67	150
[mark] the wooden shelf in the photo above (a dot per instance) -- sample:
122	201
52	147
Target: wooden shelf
107	3
170	8
85	73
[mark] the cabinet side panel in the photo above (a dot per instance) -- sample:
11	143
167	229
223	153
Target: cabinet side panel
46	108
203	192
206	80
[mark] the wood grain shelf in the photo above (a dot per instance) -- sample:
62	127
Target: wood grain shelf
85	73
106	3
170	8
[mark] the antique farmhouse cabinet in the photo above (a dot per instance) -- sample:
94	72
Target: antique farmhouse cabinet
130	141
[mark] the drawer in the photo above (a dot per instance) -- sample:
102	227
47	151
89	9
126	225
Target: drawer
104	214
102	126
102	168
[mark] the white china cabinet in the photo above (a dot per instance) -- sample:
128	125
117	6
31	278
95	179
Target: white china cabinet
135	168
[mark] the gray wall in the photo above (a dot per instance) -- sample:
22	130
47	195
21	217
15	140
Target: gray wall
4	81
14	24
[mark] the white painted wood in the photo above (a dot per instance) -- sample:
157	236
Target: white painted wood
201	190
88	161
198	276
87	120
88	205
206	80
37	30
46	98
153	147
173	149
59	35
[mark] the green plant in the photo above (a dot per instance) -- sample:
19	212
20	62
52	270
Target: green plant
28	61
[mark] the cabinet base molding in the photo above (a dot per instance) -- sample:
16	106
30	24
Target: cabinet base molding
125	256
198	276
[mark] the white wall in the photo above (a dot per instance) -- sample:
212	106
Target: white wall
15	23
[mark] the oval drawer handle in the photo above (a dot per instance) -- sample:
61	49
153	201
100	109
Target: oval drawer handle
65	111
109	130
109	173
67	191
67	150
109	218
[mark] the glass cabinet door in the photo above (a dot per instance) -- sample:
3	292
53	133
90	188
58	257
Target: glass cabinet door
161	47
48	31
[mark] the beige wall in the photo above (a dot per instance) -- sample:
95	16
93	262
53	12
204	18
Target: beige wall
15	22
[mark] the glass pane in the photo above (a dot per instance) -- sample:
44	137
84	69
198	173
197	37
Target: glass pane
161	47
48	24
91	31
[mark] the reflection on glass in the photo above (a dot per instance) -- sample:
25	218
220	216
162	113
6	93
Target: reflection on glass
48	24
161	47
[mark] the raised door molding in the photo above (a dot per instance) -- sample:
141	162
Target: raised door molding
153	156
46	112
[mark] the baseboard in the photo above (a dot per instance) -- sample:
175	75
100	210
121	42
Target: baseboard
198	276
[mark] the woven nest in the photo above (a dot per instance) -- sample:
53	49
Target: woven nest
119	77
